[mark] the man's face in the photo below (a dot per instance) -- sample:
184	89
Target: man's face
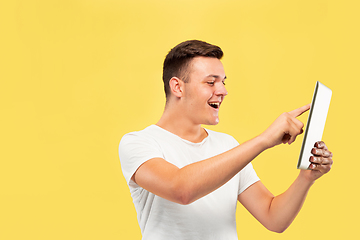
205	90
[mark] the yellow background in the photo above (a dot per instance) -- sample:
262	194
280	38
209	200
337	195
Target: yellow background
76	75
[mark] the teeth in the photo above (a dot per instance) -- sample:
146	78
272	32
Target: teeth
215	104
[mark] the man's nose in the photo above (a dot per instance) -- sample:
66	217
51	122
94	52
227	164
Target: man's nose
221	90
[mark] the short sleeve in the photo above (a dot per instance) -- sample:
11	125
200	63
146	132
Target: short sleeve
134	150
248	177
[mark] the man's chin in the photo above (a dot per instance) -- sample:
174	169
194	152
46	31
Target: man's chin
213	123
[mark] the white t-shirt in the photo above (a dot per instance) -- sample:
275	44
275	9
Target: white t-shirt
210	217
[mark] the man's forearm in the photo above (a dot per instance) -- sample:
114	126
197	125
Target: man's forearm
285	207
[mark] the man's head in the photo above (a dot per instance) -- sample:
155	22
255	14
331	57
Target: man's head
177	61
194	80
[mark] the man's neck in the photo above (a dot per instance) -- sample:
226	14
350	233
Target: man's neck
178	124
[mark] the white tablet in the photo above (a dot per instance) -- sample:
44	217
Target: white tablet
315	123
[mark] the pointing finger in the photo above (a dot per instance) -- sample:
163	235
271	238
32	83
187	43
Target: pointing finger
297	112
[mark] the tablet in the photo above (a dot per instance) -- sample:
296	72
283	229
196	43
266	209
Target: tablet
315	123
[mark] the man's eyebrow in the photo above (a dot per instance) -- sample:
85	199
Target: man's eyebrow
215	76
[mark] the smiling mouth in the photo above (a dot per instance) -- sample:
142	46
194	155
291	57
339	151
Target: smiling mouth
215	105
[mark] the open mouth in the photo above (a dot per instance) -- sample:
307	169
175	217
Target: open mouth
215	105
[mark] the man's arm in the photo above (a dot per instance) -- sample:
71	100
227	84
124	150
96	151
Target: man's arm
277	213
196	180
187	184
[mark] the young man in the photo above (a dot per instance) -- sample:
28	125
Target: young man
185	180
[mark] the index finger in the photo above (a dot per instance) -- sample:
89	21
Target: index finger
297	112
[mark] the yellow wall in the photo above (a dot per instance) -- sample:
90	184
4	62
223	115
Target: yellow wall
76	75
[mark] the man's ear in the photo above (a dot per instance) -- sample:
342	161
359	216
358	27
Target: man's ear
176	86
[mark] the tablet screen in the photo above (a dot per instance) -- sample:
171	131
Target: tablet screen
315	124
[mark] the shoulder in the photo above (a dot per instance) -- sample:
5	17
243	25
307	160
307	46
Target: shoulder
135	148
138	141
152	138
147	133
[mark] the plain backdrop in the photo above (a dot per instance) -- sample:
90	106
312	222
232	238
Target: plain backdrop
76	75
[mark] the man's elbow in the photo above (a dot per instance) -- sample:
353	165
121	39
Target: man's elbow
275	226
184	201
277	229
182	195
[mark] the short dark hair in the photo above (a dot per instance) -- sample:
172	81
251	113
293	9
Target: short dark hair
176	63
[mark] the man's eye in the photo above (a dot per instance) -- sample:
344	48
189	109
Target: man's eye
224	83
211	83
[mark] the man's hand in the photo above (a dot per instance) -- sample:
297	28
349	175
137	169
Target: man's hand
285	128
321	162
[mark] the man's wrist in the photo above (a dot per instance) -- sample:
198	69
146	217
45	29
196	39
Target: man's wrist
263	142
303	178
